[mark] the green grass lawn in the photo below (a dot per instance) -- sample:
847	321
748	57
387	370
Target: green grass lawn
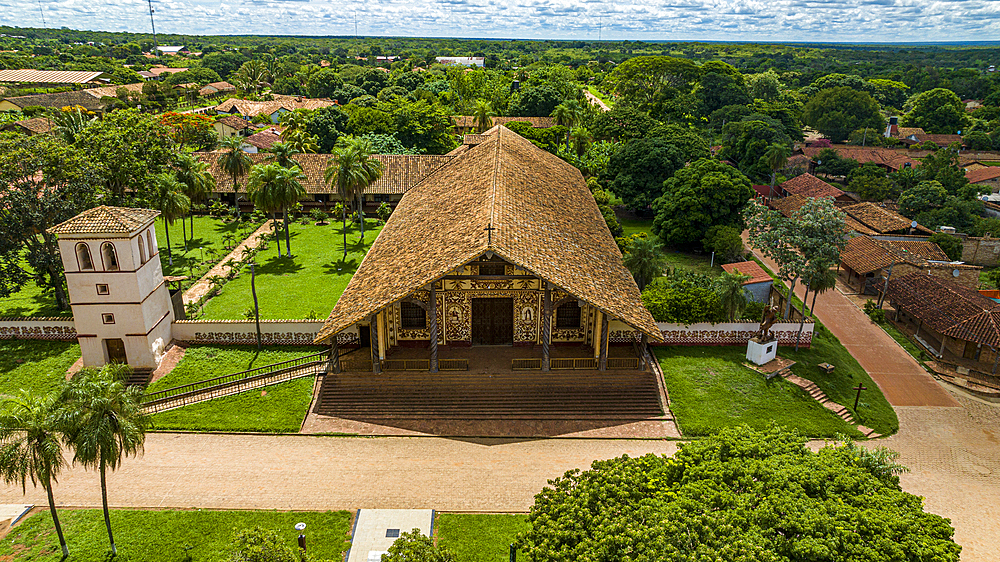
278	408
700	263
479	538
204	250
597	94
710	390
30	301
309	282
169	535
37	366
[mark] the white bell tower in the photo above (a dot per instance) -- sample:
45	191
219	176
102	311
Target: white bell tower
120	301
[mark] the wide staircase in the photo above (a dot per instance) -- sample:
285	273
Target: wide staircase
534	395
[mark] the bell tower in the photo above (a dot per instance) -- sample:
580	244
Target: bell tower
120	301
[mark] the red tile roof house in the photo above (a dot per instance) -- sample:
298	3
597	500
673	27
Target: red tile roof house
808	185
758	287
985	177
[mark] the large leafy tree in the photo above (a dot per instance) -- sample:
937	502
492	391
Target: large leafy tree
622	123
131	148
740	495
938	111
746	142
46	182
638	169
326	125
104	423
705	194
944	167
536	101
837	112
31	446
721	85
645	79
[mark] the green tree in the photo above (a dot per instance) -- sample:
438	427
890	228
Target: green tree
705	194
31	448
645	79
835	112
196	180
45	183
687	139
944	167
776	158
829	162
274	188
721	86
481	116
725	241
645	260
170	200
745	142
104	423
416	547
281	153
622	123
326	124
729	497
262	545
235	162
925	196
937	111
130	148
732	295
637	170
950	245
69	122
567	114
536	101
351	170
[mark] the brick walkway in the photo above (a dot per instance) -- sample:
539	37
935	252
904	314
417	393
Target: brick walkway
902	380
203	285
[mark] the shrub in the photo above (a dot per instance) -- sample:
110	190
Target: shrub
384	211
684	298
415	547
625	243
318	216
262	545
874	312
950	245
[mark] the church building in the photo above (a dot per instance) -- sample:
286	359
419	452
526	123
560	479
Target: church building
502	246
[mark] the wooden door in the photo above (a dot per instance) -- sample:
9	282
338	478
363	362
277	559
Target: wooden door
116	351
365	335
492	321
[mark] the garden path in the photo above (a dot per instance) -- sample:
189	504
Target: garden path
203	285
902	380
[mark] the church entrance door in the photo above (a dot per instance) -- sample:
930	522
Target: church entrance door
116	351
492	321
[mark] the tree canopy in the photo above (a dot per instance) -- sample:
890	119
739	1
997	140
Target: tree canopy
638	169
938	111
703	195
836	112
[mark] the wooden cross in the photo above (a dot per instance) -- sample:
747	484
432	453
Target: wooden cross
489	234
859	388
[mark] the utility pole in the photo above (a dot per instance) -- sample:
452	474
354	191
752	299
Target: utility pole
151	22
599	22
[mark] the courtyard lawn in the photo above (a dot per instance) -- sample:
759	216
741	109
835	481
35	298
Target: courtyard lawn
699	263
169	535
306	284
37	366
204	250
278	408
479	538
710	390
874	410
31	301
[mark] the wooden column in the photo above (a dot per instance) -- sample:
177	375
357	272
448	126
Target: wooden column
643	346
432	311
944	339
546	325
602	362
333	365
376	364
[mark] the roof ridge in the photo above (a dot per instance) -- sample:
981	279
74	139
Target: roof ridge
493	185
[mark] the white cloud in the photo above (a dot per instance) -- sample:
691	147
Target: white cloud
779	20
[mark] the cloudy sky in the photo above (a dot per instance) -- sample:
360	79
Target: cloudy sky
754	20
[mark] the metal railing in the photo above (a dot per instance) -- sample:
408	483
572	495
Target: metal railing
406	364
230	384
453	364
623	363
581	363
356	365
530	364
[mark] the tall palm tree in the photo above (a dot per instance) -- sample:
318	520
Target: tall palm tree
732	295
236	163
568	114
171	202
481	116
776	157
273	188
69	122
30	446
281	154
294	121
196	179
352	169
104	424
302	141
645	261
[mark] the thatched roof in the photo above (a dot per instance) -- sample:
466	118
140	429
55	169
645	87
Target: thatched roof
546	222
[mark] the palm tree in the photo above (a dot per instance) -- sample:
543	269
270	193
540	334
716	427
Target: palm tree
567	114
776	156
196	179
171	202
481	116
821	283
273	188
30	446
104	424
294	121
69	122
732	295
352	169
645	261
281	154
302	141
581	140
236	163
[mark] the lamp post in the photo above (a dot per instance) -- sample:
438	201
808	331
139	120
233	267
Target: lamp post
302	537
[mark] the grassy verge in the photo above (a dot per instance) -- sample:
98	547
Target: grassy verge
597	94
278	408
479	538
308	283
204	250
194	535
710	390
700	263
918	353
37	366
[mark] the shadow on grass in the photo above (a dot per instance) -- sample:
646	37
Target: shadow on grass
280	266
340	267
